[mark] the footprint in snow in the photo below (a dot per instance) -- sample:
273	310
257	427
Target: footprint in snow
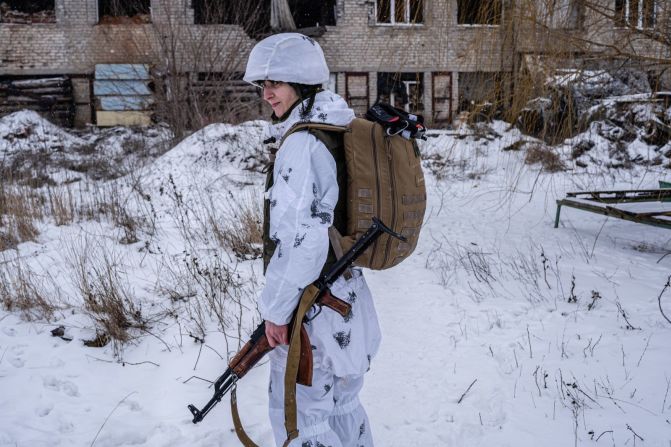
44	410
15	357
65	427
65	386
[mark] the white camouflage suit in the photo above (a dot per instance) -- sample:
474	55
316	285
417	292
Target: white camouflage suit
302	200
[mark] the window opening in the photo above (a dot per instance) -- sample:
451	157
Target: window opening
253	17
635	13
402	90
27	11
117	12
309	14
479	12
479	91
403	12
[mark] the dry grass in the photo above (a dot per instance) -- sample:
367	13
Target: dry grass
208	289
107	298
33	296
20	207
62	205
239	227
547	157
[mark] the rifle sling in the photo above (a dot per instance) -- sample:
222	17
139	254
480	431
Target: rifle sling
242	435
299	362
308	298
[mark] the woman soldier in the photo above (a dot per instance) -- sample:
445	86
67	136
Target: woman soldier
302	197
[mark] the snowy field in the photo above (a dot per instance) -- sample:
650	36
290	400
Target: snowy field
500	331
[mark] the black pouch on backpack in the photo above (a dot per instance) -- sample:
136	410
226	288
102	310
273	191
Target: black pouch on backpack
397	121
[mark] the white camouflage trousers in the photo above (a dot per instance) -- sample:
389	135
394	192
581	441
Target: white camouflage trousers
329	412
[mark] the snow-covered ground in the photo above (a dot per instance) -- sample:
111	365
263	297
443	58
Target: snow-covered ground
501	330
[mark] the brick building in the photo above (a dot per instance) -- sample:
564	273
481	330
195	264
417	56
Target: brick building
436	57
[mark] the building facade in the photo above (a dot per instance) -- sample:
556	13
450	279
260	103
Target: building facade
435	57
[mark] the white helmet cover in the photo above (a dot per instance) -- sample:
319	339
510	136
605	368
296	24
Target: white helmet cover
288	57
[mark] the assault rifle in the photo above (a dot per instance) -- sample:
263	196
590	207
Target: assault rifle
258	345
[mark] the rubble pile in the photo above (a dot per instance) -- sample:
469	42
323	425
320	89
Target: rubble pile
600	111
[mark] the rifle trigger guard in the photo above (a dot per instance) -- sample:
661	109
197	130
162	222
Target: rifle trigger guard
319	310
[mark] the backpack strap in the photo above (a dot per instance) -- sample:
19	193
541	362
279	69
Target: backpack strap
313	126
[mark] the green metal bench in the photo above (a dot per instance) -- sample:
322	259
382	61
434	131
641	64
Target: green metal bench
602	202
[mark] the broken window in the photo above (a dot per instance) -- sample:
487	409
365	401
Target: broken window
309	14
115	12
479	12
27	11
479	90
402	90
635	13
254	17
406	12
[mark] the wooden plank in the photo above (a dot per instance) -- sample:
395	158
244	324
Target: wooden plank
122	71
133	118
119	103
121	88
35	83
35	100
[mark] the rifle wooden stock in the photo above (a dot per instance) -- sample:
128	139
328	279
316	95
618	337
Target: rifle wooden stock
249	355
254	350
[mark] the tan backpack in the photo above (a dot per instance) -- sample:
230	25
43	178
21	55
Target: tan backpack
384	179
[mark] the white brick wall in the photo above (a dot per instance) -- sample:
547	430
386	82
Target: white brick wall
76	42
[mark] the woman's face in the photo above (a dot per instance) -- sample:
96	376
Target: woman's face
280	95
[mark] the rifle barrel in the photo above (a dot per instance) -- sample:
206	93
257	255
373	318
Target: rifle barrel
228	383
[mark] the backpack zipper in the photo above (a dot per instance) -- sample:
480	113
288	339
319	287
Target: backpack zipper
393	202
377	184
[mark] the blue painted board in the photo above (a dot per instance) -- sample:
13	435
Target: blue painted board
122	71
121	103
120	88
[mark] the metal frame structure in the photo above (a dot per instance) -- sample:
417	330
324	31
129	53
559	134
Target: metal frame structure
601	202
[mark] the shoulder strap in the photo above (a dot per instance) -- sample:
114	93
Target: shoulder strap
313	126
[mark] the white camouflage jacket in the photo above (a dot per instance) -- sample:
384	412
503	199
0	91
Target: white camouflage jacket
302	200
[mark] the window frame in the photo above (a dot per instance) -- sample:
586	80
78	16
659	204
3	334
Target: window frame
623	21
392	14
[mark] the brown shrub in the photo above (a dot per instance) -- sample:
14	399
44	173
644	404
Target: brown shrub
548	158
